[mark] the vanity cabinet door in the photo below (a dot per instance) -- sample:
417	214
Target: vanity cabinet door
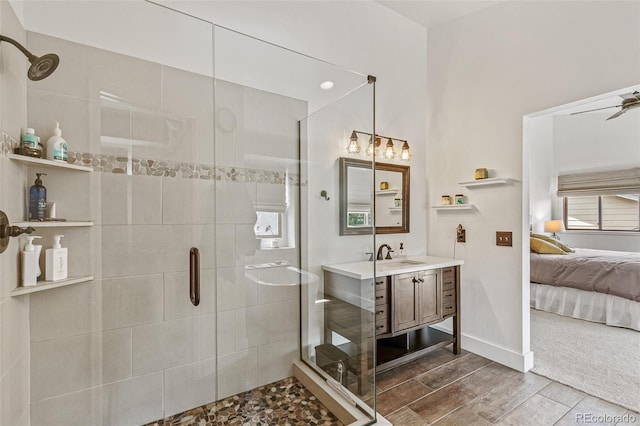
403	296
428	297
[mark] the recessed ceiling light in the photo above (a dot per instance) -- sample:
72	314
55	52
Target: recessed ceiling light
326	85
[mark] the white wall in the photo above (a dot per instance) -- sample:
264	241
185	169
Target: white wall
485	72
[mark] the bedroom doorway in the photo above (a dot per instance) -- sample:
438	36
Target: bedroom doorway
581	180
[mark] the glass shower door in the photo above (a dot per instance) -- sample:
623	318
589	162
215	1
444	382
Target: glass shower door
338	337
134	97
278	138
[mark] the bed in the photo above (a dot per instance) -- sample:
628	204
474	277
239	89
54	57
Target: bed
594	285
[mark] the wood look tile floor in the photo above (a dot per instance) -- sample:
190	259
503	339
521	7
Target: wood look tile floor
465	390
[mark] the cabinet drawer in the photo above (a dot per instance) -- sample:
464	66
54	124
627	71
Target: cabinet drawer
381	284
381	311
448	284
381	297
448	298
448	272
382	326
448	310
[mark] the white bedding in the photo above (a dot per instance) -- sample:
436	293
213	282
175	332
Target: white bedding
587	305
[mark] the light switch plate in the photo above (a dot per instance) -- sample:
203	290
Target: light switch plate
504	238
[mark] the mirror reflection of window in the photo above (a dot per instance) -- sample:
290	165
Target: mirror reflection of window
358	219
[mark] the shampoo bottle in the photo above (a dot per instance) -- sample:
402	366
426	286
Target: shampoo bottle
38	200
30	263
57	146
56	262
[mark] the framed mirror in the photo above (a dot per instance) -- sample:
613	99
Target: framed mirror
390	192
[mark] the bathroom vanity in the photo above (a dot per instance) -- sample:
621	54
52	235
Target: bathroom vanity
391	312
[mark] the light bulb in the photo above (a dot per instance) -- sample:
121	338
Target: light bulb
406	152
354	146
389	153
370	149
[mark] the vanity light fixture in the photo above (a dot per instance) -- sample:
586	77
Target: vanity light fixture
354	145
387	151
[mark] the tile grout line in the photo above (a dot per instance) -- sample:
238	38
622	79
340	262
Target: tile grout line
436	390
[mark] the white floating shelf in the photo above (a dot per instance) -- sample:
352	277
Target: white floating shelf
387	191
484	182
395	209
454	207
48	285
52	224
40	162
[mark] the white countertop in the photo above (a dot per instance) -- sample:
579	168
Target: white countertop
364	269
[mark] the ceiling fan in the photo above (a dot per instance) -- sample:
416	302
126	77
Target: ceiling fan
629	101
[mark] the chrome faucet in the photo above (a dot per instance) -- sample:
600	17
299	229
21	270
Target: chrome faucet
389	250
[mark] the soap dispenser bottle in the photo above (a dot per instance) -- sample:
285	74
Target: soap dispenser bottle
56	261
30	263
38	200
57	146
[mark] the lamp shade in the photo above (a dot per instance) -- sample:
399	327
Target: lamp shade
553	226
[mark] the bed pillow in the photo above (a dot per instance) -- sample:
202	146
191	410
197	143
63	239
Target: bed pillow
543	247
555	242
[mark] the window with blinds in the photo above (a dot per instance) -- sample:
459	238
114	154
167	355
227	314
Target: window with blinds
601	201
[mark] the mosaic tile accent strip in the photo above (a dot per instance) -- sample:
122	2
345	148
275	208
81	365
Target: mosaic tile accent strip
7	143
112	164
135	166
285	402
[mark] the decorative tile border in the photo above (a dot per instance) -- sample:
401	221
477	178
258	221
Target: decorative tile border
7	143
285	402
113	164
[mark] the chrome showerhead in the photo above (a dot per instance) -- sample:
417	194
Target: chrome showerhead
41	67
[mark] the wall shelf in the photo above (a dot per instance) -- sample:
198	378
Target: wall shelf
454	207
41	162
48	285
387	192
485	182
53	224
395	209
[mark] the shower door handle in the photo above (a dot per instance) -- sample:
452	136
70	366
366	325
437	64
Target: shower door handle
194	276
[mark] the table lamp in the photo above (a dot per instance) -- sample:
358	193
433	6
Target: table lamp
553	226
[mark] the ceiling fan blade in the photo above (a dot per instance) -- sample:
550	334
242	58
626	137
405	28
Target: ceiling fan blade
633	96
596	109
617	114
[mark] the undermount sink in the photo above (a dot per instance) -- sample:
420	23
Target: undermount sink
396	264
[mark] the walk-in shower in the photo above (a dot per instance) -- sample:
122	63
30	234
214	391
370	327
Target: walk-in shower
209	151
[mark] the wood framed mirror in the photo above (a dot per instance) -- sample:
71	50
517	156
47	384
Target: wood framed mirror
390	192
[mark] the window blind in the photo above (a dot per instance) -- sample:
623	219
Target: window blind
625	181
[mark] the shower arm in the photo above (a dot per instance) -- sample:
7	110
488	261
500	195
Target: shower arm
20	47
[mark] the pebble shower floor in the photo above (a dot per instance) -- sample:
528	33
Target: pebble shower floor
285	402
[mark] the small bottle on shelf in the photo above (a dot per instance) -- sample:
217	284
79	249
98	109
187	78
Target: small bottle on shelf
56	262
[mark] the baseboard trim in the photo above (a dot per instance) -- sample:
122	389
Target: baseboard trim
518	361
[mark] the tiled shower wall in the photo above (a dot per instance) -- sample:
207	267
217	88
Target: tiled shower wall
14	311
129	347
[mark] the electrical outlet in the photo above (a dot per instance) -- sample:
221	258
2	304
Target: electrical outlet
461	234
504	238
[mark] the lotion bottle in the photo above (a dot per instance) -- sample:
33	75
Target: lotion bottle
37	200
56	261
57	146
30	263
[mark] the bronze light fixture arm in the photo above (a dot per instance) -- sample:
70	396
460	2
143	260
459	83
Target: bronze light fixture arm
380	136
